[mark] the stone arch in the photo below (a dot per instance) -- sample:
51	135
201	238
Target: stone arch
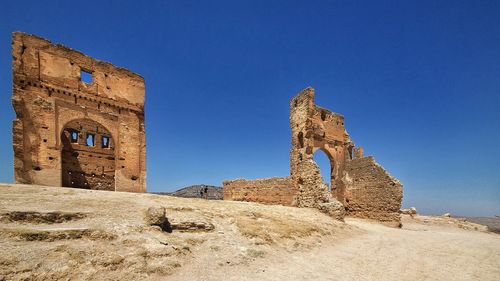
330	177
87	155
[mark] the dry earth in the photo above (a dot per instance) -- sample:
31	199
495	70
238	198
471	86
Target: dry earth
493	223
49	233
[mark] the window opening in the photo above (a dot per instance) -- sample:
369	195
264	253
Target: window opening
90	140
85	76
105	142
74	136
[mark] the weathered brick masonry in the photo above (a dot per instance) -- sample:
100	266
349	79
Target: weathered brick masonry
270	191
371	192
90	134
72	132
359	186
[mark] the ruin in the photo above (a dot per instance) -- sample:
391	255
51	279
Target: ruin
359	186
79	121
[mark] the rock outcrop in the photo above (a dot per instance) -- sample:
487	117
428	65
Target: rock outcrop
155	216
199	191
411	211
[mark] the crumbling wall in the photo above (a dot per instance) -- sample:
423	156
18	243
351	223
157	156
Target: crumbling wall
316	128
49	95
371	192
358	152
269	191
358	185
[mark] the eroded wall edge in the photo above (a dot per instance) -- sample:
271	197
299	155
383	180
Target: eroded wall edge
371	192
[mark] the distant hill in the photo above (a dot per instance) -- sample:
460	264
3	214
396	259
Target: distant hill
197	191
493	223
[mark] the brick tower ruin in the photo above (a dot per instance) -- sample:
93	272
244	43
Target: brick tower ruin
79	121
359	186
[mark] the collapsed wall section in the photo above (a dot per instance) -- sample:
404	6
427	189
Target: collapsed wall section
51	96
276	190
371	192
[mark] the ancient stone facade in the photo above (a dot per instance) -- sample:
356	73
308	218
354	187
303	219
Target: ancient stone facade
359	186
79	121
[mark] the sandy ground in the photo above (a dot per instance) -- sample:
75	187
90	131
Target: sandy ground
426	248
66	234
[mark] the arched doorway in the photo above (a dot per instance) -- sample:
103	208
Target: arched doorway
325	164
87	156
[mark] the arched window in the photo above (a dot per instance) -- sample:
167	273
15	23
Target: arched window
87	155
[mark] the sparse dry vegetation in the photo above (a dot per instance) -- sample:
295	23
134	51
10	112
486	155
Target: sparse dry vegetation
39	217
271	228
28	234
58	234
106	232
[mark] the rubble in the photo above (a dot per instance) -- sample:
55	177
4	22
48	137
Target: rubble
410	211
155	216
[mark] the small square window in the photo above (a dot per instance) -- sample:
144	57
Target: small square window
85	76
90	139
74	136
105	142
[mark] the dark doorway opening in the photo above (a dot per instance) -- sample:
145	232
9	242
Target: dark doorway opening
87	161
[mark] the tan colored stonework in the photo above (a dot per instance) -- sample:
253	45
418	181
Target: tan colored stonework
371	192
316	128
359	186
269	191
56	112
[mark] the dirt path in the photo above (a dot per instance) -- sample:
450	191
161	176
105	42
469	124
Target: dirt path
49	233
419	251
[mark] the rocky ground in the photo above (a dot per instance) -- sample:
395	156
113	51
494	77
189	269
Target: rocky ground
49	233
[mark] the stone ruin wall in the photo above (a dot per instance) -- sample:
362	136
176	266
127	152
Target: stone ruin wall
316	128
56	112
269	191
371	192
359	186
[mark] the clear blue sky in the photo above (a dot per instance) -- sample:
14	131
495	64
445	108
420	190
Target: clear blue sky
418	83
